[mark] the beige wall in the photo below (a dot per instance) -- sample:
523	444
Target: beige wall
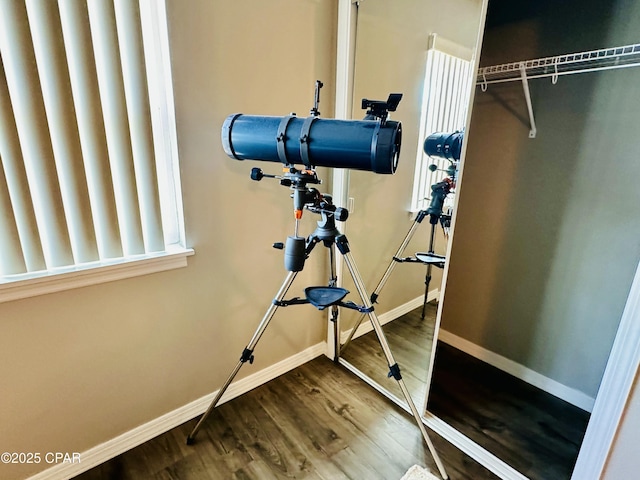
83	366
391	52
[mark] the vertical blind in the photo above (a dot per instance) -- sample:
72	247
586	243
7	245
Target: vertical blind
445	101
79	174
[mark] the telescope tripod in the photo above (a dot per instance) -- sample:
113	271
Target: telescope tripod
321	298
429	258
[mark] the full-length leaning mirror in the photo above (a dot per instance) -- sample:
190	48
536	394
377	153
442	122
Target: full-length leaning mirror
425	50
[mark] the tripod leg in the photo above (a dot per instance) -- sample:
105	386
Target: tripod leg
427	279
247	354
374	296
394	369
335	312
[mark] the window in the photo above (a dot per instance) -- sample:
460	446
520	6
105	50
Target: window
89	186
445	99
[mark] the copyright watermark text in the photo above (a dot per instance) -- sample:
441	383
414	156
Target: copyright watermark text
37	457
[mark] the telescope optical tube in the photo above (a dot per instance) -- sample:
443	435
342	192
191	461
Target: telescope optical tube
369	145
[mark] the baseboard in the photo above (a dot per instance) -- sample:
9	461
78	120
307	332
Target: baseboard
472	449
557	389
386	317
131	439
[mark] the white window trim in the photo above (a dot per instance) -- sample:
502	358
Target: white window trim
66	278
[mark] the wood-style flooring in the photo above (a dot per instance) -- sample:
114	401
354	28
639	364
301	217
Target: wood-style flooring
534	432
318	421
410	338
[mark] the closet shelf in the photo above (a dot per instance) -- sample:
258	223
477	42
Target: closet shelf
590	61
594	60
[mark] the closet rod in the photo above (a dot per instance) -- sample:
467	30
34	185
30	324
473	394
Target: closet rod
589	61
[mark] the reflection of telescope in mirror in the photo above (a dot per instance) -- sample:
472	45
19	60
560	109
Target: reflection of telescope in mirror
446	146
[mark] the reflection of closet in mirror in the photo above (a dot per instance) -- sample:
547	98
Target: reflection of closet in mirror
545	247
393	42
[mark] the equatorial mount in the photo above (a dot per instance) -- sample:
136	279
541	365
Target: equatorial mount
304	197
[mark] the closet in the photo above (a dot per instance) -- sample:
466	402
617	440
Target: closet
545	247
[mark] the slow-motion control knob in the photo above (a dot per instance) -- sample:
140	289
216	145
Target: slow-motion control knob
341	214
256	174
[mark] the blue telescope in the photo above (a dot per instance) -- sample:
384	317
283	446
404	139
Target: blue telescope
372	144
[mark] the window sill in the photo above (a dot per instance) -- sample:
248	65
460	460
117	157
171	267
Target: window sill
15	287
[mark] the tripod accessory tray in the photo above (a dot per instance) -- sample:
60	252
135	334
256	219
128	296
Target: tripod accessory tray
431	259
323	297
